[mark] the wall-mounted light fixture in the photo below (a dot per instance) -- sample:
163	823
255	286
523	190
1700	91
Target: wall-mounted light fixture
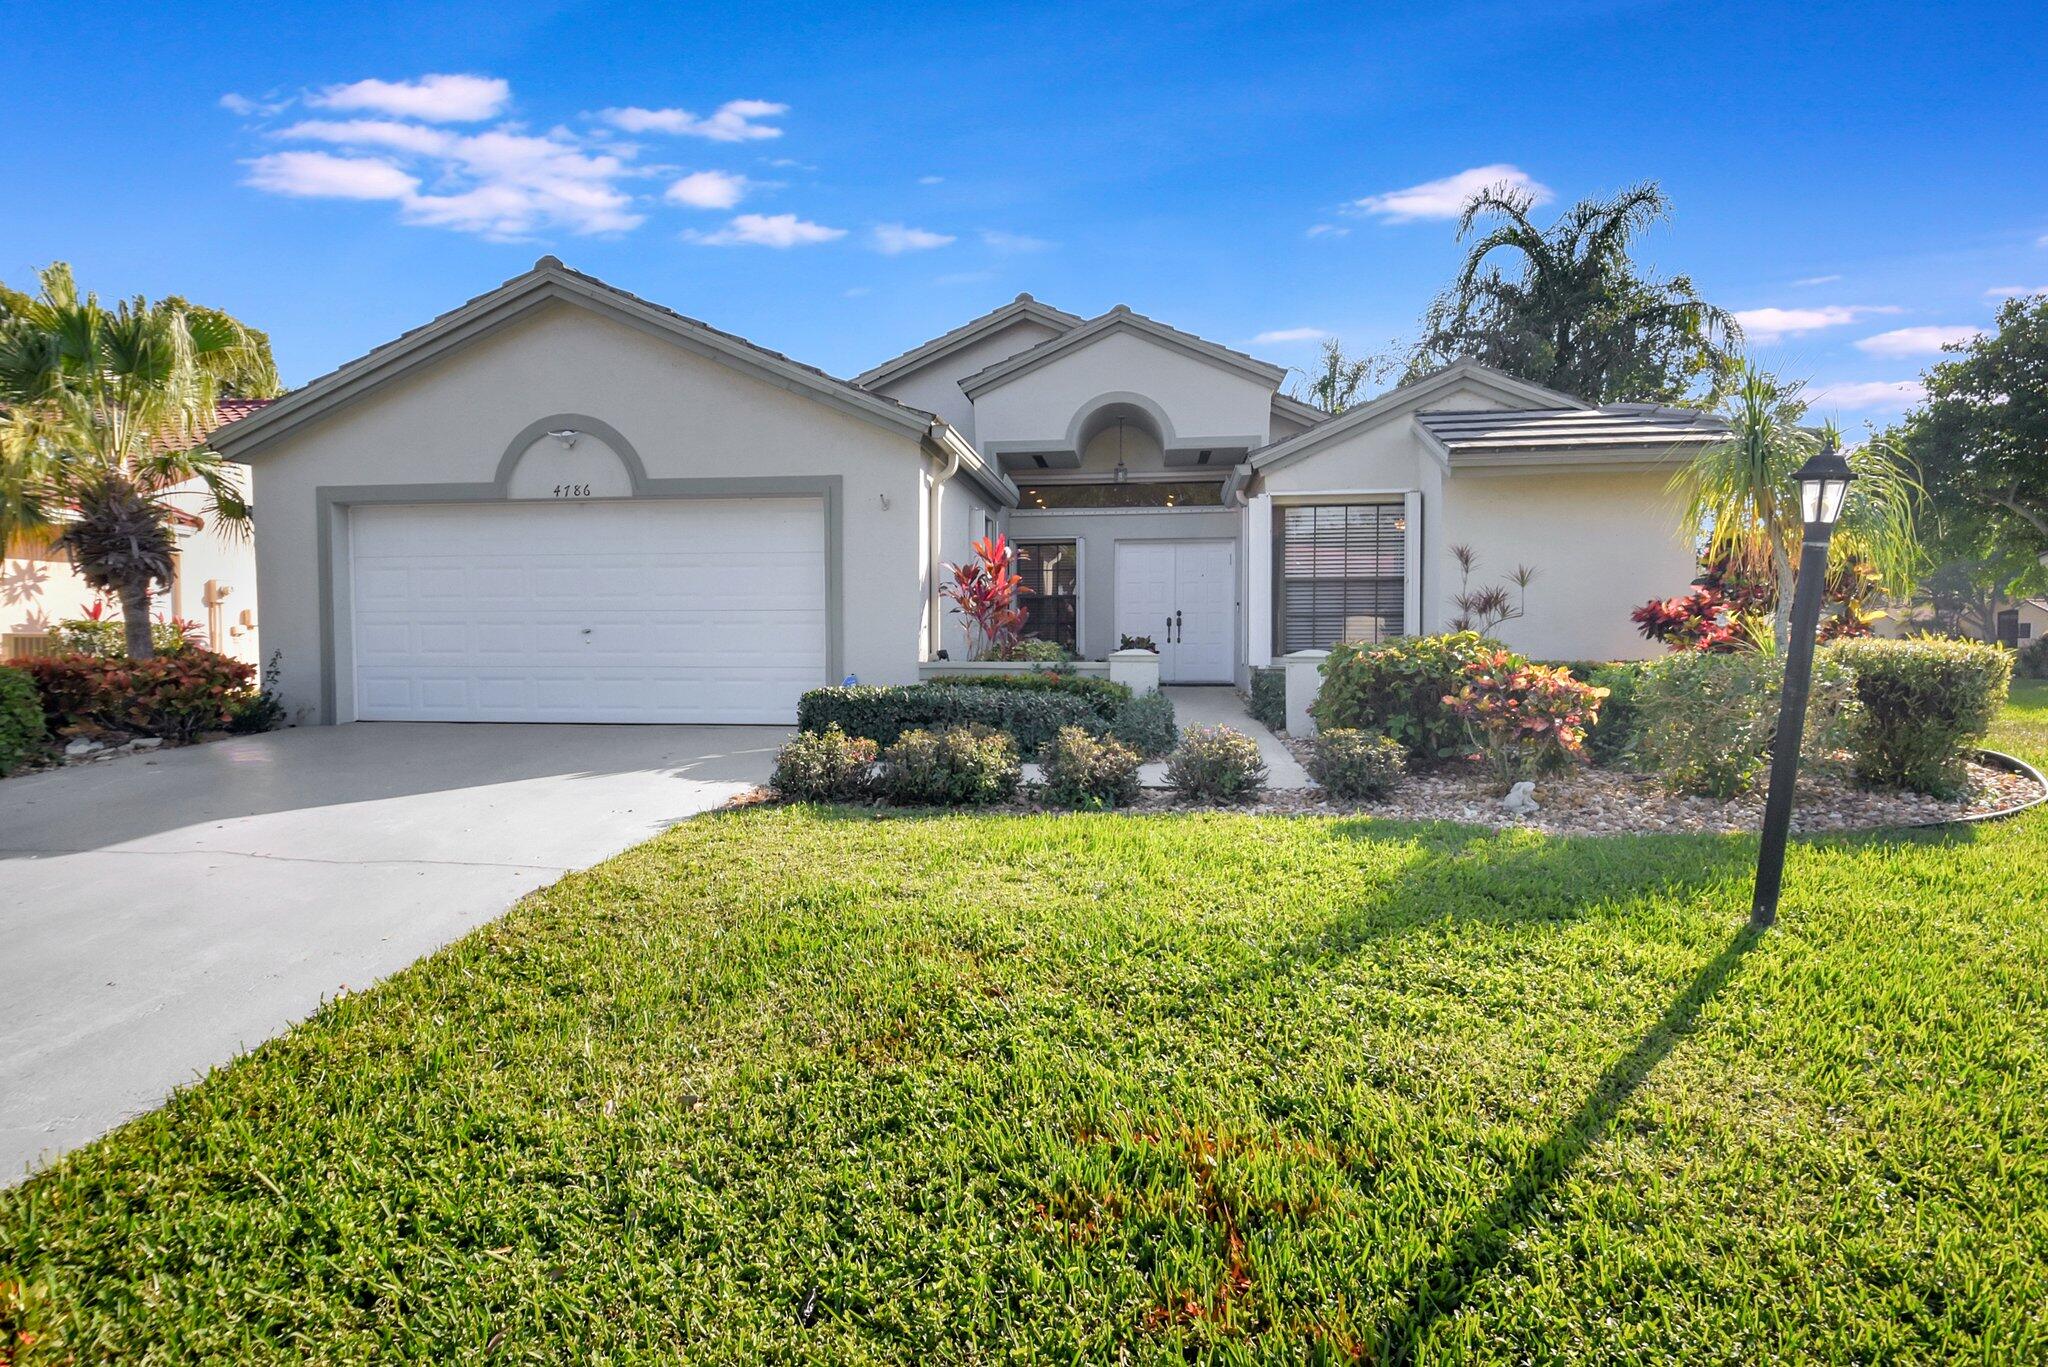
567	436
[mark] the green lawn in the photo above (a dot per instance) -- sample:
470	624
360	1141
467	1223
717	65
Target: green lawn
802	1084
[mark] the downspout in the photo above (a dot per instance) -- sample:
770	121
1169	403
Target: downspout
934	632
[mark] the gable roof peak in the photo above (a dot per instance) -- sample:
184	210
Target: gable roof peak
550	262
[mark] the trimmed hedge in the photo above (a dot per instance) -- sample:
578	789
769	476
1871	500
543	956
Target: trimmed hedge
883	712
1103	695
1087	771
1356	764
1708	719
1926	701
1145	723
966	766
1399	688
174	696
824	766
1268	706
22	731
1216	764
1613	738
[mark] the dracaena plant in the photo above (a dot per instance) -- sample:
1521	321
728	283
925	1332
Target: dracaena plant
987	593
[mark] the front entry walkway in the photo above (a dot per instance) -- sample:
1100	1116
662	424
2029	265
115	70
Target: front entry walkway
1221	706
162	915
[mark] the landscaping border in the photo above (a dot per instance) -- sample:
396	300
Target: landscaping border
1992	759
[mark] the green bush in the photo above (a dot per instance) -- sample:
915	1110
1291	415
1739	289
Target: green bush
824	766
1269	698
1145	723
1216	764
1613	738
1032	716
1707	719
22	732
1926	702
966	766
174	696
1031	648
1398	689
2033	660
1101	694
1356	764
106	638
1081	770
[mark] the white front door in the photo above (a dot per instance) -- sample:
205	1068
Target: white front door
1182	594
657	610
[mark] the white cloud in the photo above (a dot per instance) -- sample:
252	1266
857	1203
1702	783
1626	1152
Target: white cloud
931	180
2042	240
964	278
1899	394
1818	280
733	121
767	230
1774	324
1920	341
237	104
2014	291
997	240
1327	230
708	190
857	292
386	133
1290	335
1448	197
437	99
893	239
322	175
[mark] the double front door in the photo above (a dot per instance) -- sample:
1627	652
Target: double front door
1183	595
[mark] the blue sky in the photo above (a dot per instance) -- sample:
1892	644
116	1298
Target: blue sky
840	183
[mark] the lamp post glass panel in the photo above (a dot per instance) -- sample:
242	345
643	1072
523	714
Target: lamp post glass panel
1823	484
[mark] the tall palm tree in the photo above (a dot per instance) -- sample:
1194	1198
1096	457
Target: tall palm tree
103	412
1740	493
1577	315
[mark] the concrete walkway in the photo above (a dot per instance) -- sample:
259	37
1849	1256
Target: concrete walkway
161	914
1220	705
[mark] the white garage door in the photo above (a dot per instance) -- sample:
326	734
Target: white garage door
647	611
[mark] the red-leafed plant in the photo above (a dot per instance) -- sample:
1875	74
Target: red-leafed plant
1700	620
173	696
1524	718
987	592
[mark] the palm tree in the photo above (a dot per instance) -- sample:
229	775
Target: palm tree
1740	493
102	414
1577	316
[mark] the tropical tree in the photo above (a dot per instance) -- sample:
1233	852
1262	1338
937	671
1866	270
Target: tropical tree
1575	314
1338	379
103	413
1739	494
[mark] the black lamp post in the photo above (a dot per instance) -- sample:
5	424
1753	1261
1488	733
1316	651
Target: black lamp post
1823	482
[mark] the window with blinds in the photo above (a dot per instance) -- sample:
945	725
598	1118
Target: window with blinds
1343	574
1052	608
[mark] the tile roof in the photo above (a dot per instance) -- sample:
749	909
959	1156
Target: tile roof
1023	308
227	413
1121	315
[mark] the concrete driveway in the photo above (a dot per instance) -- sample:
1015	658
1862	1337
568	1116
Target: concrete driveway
161	914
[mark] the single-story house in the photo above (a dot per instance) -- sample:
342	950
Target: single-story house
561	502
213	582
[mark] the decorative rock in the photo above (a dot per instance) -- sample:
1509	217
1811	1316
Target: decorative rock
1521	800
80	747
144	743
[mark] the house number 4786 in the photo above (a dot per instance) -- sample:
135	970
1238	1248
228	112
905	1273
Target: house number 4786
572	491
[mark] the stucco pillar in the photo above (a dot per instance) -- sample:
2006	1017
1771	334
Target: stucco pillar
1137	670
1304	681
1258	550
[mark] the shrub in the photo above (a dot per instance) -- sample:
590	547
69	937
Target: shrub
1081	770
824	766
173	696
2033	660
966	766
260	711
1031	648
1145	723
106	638
1399	688
1707	720
1216	764
1613	738
1130	642
1925	702
1525	718
883	712
22	732
1103	695
1269	698
1356	764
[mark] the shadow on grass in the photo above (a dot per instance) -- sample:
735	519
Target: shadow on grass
1488	1235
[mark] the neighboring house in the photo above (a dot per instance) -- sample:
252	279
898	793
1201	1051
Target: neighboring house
214	585
560	502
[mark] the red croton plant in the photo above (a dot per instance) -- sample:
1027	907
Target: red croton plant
1724	611
1526	718
987	590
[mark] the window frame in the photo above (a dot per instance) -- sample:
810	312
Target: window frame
1393	512
1073	544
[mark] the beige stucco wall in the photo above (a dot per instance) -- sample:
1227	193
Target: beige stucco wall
935	387
1202	400
1097	534
451	420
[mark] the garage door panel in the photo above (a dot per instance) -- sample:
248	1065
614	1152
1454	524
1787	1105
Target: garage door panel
645	611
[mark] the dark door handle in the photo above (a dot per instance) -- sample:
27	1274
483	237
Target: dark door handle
1180	628
1168	638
